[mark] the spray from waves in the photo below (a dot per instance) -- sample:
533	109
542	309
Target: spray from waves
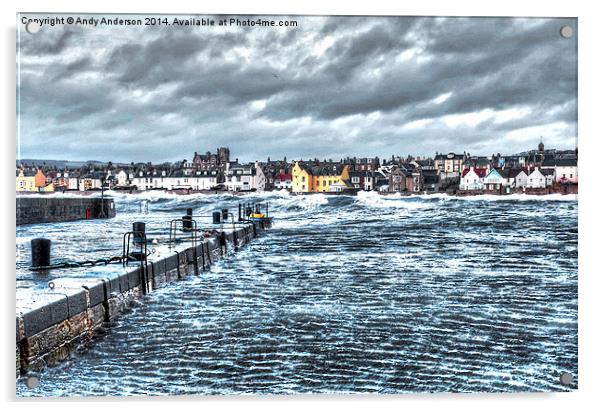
301	202
373	199
511	197
284	200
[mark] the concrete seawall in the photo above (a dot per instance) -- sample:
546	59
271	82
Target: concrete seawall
53	323
31	210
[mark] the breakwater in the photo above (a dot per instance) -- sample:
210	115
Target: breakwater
32	210
52	323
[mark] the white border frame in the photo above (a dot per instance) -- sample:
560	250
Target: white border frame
590	71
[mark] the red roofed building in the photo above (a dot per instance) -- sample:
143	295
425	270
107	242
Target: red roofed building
283	181
472	179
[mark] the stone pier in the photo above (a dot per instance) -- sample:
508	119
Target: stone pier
53	323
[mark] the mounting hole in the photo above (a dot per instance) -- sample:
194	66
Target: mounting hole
566	31
32	27
32	382
566	378
51	285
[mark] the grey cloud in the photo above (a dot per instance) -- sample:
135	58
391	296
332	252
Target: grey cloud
195	94
50	40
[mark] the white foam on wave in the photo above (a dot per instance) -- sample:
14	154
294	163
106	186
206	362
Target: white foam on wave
375	200
156	195
305	202
510	197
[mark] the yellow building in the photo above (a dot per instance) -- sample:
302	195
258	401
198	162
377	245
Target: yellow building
302	179
26	182
319	177
328	176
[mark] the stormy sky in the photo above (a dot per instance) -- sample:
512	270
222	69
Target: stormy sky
331	87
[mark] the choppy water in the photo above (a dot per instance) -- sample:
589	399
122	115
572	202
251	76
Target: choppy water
362	294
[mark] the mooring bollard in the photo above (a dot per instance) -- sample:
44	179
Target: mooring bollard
139	229
40	252
139	240
187	221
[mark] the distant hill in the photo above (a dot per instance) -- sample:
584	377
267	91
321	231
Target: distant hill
60	163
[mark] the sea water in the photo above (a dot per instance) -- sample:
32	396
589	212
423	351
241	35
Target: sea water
364	294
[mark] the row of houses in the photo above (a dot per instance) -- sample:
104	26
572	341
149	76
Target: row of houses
534	169
36	180
549	173
478	179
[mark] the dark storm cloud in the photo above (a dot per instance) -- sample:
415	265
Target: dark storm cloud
52	42
512	65
332	87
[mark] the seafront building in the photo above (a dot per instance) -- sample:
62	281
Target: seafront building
538	171
249	177
320	177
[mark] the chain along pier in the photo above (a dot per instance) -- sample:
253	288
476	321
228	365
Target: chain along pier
71	311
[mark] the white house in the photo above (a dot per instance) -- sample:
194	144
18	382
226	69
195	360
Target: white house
536	179
88	182
146	180
283	181
248	177
122	178
472	179
520	180
72	181
163	179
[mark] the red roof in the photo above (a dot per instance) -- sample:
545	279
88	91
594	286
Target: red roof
285	177
481	172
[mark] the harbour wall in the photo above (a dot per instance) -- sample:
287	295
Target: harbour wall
32	210
75	311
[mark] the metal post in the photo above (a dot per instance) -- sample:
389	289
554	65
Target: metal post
102	198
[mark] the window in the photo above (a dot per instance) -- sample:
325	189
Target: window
571	175
303	180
